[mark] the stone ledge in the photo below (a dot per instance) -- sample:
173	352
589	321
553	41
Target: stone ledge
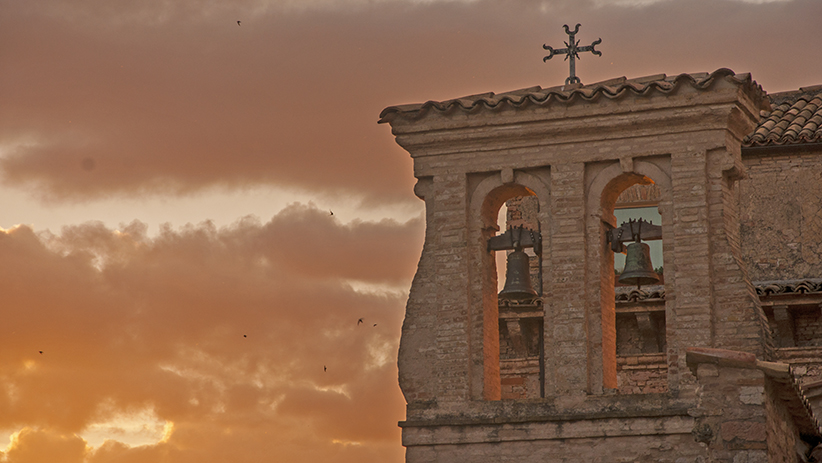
810	354
543	410
650	360
721	357
547	431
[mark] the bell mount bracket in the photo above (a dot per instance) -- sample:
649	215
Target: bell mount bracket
632	230
516	237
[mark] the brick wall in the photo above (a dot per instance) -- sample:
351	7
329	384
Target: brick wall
520	378
780	431
578	158
639	195
808	326
763	418
804	326
642	374
781	215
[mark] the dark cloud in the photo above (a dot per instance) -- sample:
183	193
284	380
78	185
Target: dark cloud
173	97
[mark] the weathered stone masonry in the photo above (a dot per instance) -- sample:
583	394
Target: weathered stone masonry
575	150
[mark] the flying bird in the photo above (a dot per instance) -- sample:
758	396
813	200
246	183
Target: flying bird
238	23
375	324
324	369
41	352
359	321
245	335
330	211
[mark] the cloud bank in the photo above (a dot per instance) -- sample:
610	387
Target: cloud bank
170	98
243	341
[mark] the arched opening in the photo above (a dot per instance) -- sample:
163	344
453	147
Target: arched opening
512	329
521	321
633	317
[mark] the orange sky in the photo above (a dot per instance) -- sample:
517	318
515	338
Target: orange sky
121	122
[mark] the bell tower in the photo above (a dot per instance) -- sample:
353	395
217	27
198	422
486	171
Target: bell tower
575	149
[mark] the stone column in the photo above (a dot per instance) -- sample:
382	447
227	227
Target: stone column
569	332
692	272
451	277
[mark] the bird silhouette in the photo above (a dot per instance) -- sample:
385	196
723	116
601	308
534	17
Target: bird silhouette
330	211
245	335
41	352
324	369
375	324
359	321
238	23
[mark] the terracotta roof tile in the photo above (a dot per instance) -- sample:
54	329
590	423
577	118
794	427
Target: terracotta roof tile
763	289
795	117
611	89
769	288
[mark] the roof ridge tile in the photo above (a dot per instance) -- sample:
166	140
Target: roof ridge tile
611	89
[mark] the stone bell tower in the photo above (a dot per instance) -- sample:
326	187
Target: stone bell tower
576	149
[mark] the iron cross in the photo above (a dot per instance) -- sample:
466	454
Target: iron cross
572	51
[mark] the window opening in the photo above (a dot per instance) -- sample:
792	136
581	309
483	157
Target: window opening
648	214
521	319
640	311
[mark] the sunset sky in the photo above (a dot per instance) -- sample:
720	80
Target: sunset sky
173	280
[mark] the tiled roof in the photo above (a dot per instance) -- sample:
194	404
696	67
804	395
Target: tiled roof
631	294
763	289
770	288
796	117
612	89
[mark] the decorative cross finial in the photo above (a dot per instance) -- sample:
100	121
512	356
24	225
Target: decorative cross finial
572	51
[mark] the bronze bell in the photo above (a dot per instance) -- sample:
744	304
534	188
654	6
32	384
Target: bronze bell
518	278
638	269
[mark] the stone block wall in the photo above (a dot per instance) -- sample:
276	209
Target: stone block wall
457	358
781	433
678	448
642	374
803	323
520	378
633	339
743	411
522	211
639	196
808	327
781	214
521	366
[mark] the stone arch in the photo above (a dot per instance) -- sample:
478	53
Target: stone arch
602	191
605	186
483	208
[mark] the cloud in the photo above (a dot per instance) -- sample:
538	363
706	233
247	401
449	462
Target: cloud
99	105
35	446
223	333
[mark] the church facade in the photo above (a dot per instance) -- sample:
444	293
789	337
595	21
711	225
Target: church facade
718	360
